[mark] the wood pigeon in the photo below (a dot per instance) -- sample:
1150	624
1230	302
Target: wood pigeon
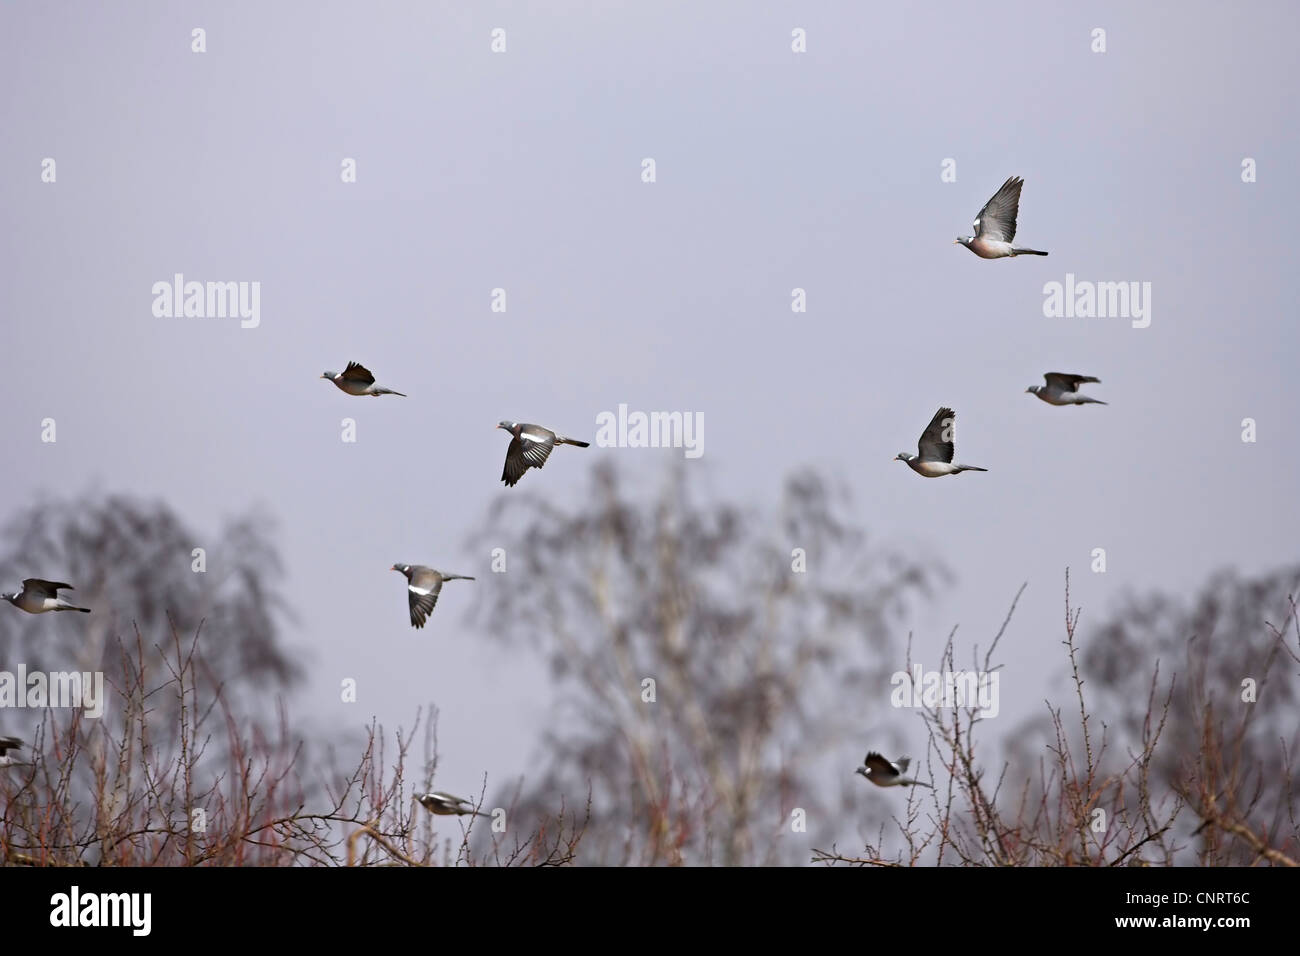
422	587
1063	389
935	449
39	596
995	226
883	773
357	380
530	448
7	744
448	805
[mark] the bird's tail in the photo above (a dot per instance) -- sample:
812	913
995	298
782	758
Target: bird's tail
961	468
1092	401
1027	252
561	440
457	577
72	607
921	783
379	390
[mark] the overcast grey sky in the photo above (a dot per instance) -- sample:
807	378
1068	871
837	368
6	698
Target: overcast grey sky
775	170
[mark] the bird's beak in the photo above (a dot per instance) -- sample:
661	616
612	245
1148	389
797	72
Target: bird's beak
956	242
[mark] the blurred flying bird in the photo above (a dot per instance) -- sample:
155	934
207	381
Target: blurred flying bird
883	773
7	759
39	596
1063	389
447	805
357	380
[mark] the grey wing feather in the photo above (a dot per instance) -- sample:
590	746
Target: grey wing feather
422	605
515	464
1069	383
997	220
356	372
536	452
40	584
932	446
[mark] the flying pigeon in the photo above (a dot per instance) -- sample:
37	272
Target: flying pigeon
447	805
885	774
357	380
995	226
7	744
423	585
38	596
530	448
1063	389
935	447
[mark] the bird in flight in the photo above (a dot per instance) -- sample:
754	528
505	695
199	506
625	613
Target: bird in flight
1063	389
447	805
995	226
39	596
934	450
357	380
529	448
422	587
883	773
7	744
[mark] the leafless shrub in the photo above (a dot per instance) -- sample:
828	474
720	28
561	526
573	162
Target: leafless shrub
134	793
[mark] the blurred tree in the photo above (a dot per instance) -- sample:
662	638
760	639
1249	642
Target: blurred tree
132	563
758	668
1235	629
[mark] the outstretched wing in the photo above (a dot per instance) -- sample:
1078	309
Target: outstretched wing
536	448
1068	382
936	440
49	587
422	595
515	464
997	220
356	372
878	764
525	452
